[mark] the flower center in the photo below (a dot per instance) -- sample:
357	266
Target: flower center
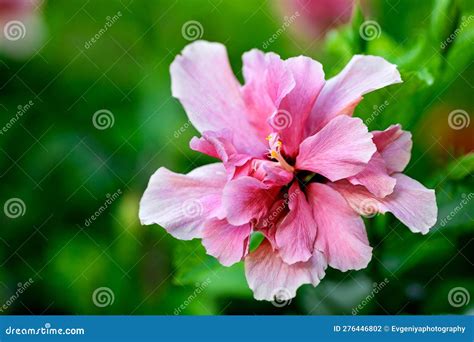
275	152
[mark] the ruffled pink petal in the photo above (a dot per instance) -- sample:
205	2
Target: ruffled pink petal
220	145
410	202
297	105
270	173
208	90
341	149
296	233
342	93
245	199
228	243
341	232
269	276
181	203
267	81
375	177
394	145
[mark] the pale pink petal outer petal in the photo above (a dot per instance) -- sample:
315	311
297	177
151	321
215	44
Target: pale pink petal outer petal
375	177
341	149
181	203
296	233
228	243
309	78
343	92
341	231
413	204
220	145
201	78
267	82
394	145
246	198
410	202
268	276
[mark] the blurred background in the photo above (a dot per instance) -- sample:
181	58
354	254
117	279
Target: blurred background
87	116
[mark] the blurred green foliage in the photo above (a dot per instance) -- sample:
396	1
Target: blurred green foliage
62	167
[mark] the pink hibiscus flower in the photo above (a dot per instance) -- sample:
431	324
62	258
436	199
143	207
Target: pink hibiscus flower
318	16
295	166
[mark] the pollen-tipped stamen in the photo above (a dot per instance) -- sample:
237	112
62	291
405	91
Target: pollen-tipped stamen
275	153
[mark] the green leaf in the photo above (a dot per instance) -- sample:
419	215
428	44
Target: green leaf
460	53
461	167
255	240
405	254
357	20
443	20
191	263
193	267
